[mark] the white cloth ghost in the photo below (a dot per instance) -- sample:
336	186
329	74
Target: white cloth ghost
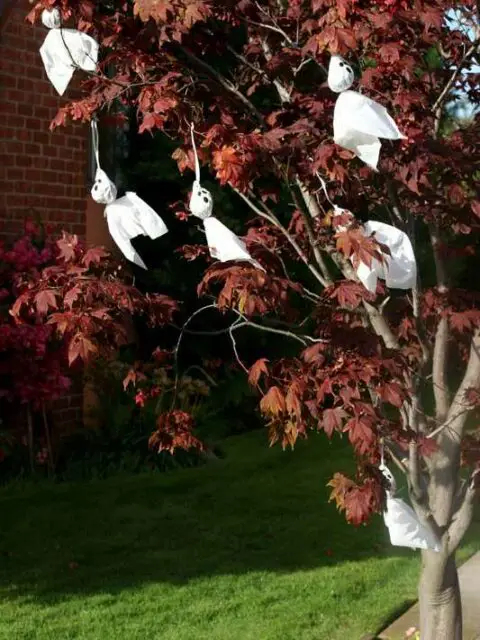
127	217
399	269
358	121
65	50
223	244
402	522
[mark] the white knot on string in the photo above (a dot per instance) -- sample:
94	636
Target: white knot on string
52	19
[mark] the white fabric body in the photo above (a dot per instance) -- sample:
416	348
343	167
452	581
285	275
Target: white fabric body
402	522
129	217
223	244
340	75
359	122
63	51
399	269
405	528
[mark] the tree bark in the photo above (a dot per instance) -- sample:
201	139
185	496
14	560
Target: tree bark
439	594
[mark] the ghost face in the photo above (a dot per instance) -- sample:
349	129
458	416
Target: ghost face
103	190
201	202
340	75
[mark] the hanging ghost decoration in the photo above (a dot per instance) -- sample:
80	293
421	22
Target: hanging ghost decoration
358	121
223	244
399	269
402	522
65	50
127	217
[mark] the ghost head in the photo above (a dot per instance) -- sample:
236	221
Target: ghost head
51	19
340	75
103	190
201	202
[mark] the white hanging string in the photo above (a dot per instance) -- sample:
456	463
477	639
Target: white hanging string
197	164
324	188
95	142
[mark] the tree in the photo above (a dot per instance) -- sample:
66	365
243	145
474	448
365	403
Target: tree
63	305
393	369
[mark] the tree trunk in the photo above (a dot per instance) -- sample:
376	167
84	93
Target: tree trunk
440	602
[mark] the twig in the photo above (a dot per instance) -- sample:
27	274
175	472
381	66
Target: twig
437	107
310	233
234	346
177	346
276	223
226	84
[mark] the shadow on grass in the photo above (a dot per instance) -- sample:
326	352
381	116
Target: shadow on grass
259	509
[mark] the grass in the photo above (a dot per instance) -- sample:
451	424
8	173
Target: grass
246	548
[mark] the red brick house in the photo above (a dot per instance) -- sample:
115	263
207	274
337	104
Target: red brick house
40	171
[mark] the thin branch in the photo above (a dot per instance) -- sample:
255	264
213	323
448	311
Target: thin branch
447	423
437	107
177	346
380	326
471	380
310	202
226	84
276	223
234	346
310	233
462	519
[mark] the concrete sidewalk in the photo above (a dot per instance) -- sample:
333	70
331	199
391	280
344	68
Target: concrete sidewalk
469	574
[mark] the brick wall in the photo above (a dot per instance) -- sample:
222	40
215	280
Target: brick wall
39	170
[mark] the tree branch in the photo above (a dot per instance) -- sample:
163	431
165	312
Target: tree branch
311	235
462	519
380	326
457	414
437	107
439	370
276	223
226	84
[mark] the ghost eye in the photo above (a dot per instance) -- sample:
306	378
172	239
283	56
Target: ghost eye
349	70
342	64
199	194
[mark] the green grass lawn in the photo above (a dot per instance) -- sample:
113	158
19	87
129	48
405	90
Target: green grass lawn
245	548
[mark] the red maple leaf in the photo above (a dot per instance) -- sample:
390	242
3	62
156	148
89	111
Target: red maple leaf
44	300
256	370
